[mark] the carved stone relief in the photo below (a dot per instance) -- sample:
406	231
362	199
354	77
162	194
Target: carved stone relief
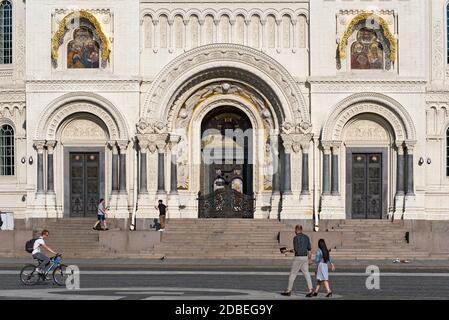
366	130
83	129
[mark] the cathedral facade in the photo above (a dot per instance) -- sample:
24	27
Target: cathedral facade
292	110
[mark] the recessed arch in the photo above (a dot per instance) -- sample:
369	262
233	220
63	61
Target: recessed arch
158	101
375	103
73	103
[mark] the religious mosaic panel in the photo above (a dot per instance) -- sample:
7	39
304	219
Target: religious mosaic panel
83	52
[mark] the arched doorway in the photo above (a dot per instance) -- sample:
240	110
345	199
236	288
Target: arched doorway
226	174
83	138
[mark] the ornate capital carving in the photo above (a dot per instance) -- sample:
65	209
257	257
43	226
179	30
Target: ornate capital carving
157	142
39	145
122	145
296	142
51	146
410	146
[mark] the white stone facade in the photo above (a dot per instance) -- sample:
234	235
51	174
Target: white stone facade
287	65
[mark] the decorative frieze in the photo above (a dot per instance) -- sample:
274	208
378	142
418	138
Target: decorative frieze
82	85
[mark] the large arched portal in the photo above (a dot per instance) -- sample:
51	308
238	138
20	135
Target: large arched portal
218	86
226	174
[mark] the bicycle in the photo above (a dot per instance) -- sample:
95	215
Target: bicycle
30	276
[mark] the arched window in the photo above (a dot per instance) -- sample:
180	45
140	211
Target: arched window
5	32
7	163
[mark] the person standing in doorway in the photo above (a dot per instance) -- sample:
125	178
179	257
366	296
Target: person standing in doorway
101	216
303	257
322	258
162	213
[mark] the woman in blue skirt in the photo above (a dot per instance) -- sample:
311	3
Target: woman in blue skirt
322	258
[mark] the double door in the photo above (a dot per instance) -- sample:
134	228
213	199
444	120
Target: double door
367	199
84	183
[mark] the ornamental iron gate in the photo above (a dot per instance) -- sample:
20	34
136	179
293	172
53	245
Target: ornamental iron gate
226	204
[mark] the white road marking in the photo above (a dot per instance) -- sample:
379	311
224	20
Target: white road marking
241	273
169	293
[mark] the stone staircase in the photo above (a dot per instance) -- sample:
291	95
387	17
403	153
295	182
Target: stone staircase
74	238
374	239
220	239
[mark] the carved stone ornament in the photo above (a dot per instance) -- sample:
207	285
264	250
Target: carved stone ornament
225	88
151	127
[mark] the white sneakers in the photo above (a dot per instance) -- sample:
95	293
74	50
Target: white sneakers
161	230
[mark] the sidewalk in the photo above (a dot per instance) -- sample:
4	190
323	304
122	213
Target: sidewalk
253	264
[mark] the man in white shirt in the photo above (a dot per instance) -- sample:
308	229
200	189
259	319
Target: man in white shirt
37	251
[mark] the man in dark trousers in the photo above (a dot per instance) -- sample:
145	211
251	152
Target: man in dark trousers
302	260
162	212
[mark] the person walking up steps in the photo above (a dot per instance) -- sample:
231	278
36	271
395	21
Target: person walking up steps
303	257
162	212
322	258
101	216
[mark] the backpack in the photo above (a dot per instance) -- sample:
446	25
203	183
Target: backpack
29	245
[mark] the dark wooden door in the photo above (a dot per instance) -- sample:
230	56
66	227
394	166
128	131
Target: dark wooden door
84	184
367	186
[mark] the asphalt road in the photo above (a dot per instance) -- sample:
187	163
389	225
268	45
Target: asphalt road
241	284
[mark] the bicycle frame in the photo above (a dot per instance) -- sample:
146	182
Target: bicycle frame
55	262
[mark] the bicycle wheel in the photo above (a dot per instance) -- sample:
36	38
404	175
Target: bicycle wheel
60	275
29	275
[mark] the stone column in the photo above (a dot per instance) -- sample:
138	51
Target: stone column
400	177
326	170
114	173
39	145
409	176
123	146
305	146
275	151
143	188
286	174
50	167
174	164
161	168
335	177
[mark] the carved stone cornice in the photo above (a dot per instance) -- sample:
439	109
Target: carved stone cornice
348	85
101	85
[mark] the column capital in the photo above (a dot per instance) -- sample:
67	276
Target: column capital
263	22
51	146
336	147
232	22
112	144
39	145
143	144
326	145
122	144
410	146
295	142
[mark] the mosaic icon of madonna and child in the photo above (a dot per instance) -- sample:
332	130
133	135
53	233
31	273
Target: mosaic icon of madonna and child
367	51
83	52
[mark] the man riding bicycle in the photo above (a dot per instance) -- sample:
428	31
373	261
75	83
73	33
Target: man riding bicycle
37	251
